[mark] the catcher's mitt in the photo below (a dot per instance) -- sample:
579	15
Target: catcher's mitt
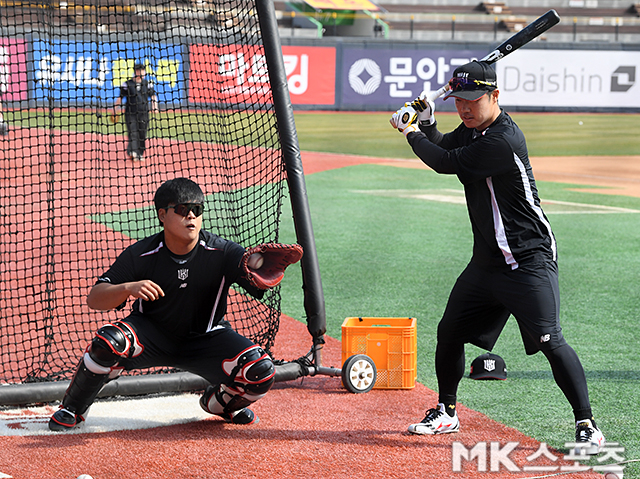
266	269
114	117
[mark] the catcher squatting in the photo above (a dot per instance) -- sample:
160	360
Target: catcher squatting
179	279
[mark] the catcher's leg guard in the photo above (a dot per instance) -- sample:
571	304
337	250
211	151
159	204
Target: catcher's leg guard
98	365
252	373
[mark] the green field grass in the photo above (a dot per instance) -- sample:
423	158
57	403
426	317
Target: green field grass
386	256
370	134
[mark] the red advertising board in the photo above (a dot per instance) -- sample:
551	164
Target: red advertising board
234	74
13	70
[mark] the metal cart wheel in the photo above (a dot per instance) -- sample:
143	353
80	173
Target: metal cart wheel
359	374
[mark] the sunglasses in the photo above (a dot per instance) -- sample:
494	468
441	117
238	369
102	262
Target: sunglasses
465	84
183	209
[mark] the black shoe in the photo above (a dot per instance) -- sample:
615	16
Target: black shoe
241	416
64	420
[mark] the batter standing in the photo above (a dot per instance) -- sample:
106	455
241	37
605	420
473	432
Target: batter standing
513	270
137	92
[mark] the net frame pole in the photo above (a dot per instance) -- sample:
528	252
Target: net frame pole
312	282
314	305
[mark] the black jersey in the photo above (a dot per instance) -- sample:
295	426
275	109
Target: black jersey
195	285
137	95
509	226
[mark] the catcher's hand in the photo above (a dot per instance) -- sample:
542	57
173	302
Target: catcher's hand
405	119
114	117
264	265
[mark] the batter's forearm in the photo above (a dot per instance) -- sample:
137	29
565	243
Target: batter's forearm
432	155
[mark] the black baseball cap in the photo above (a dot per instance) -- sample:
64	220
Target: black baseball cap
488	366
472	80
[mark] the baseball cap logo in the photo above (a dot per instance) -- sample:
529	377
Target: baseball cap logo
489	364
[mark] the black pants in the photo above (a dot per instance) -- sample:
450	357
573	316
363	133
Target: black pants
137	126
202	354
478	308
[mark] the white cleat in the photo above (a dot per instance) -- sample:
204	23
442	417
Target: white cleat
436	421
589	439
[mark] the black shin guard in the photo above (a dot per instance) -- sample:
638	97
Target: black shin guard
83	390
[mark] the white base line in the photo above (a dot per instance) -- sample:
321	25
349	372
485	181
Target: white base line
457	197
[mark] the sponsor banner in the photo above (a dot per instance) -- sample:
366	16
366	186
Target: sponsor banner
237	73
92	73
342	5
13	70
387	78
570	78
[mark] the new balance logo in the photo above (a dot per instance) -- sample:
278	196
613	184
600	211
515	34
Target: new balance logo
545	338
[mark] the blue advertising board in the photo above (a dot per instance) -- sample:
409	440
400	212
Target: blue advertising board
387	78
90	73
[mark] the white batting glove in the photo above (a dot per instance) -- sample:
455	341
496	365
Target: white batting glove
425	109
405	119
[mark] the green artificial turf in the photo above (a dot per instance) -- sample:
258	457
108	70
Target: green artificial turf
370	134
382	255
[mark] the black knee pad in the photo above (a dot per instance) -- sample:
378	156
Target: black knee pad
112	343
253	369
262	374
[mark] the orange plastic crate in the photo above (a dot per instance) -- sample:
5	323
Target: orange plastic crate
390	342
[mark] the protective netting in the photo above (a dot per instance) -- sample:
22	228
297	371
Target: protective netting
71	195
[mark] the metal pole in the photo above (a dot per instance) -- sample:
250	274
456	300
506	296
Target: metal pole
411	27
312	284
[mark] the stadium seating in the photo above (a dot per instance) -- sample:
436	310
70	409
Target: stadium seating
583	20
425	20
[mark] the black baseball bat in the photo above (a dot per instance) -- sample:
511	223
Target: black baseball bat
524	36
